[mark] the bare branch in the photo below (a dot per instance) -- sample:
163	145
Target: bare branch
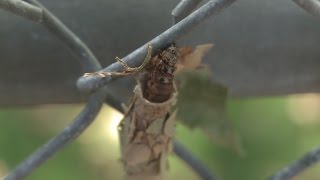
311	6
90	83
23	9
192	161
73	42
71	132
298	166
183	9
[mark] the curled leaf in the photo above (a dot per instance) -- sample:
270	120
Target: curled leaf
191	59
201	103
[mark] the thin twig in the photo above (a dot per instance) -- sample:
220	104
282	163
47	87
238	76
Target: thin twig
71	132
23	9
91	83
298	166
192	161
311	6
183	9
73	42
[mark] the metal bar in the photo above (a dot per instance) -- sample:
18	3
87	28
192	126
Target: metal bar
298	166
87	115
311	6
70	133
23	9
183	9
91	83
72	41
183	153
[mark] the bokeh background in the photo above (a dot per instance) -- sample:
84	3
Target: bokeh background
274	132
261	48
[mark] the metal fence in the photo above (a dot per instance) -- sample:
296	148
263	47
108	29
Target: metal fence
183	22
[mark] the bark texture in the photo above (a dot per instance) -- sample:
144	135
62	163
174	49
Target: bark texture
146	135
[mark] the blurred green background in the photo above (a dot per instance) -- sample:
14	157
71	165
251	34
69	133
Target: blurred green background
274	132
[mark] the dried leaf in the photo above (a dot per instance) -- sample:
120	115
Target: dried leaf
163	162
138	153
191	59
169	128
150	140
138	137
157	148
156	126
132	126
201	103
161	139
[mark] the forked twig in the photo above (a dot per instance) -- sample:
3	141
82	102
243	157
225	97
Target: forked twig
127	69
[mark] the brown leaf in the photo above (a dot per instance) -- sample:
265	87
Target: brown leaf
169	128
156	126
163	162
191	59
138	153
157	149
169	145
138	137
132	126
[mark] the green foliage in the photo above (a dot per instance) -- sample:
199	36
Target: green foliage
21	133
272	139
201	104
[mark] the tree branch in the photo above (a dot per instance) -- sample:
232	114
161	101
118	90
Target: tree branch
298	166
23	9
311	6
91	83
184	8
